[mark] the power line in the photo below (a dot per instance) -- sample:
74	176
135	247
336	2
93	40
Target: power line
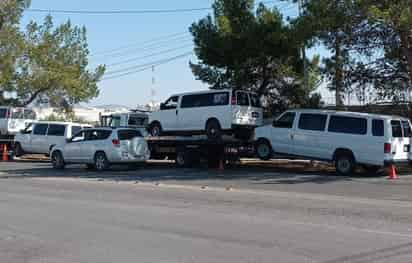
149	67
139	43
148	56
125	12
157	45
141	65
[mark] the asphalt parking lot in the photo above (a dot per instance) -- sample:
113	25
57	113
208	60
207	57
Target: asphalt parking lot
272	212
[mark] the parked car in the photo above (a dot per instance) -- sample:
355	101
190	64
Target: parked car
99	148
12	119
40	137
346	138
208	112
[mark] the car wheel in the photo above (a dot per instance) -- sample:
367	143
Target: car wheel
264	150
345	164
57	160
101	163
155	129
213	130
18	150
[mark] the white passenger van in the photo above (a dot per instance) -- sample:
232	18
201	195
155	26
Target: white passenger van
13	119
40	137
208	112
346	138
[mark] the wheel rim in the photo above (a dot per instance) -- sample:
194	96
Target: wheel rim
344	165
263	150
100	162
180	159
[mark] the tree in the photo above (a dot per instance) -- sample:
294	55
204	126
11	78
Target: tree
333	23
11	11
53	66
241	48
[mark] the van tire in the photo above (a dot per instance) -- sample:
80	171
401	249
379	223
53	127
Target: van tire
213	130
18	150
263	149
101	163
345	163
155	129
183	158
57	160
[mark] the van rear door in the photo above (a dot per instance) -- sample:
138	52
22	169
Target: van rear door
401	139
246	109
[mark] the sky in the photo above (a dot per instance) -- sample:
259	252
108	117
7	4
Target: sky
144	35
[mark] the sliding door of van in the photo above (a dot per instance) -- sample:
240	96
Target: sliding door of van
310	135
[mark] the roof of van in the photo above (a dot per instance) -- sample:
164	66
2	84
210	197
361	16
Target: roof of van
62	123
348	113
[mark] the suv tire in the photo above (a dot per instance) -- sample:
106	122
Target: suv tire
155	129
101	163
345	164
18	150
57	160
264	150
213	130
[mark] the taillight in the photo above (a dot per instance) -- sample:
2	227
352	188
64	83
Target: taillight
234	100
387	148
116	143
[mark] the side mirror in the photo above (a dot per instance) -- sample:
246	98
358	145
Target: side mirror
162	106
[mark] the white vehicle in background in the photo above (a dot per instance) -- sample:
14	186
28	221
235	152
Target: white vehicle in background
13	120
98	148
134	119
213	113
346	138
40	137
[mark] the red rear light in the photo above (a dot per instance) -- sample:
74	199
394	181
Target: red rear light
234	100
387	148
116	143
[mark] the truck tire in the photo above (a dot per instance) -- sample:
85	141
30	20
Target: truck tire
155	129
263	149
345	163
213	130
183	159
101	163
18	150
57	160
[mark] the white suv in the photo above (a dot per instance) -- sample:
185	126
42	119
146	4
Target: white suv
346	138
40	137
99	148
12	120
211	112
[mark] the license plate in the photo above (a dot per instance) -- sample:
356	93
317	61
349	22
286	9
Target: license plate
406	148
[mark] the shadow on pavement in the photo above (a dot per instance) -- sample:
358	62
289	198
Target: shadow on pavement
253	172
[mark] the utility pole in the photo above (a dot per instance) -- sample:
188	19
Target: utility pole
301	5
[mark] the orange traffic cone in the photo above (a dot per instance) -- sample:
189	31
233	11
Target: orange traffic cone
5	153
393	175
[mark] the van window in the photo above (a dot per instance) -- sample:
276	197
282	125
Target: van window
29	114
286	121
312	122
407	132
255	100
242	98
56	130
171	103
76	129
349	125
40	129
3	113
128	134
378	128
205	100
17	113
396	129
137	121
95	135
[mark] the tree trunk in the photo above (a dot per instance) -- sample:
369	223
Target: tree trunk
338	73
406	43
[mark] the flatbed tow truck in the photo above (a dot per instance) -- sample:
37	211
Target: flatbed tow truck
190	151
